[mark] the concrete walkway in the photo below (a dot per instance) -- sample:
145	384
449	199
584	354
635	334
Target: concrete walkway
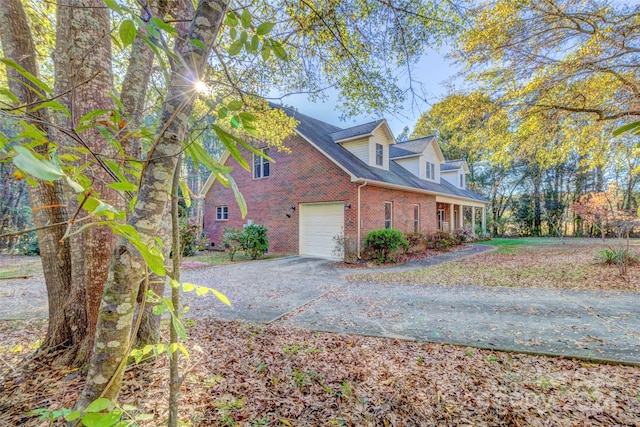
308	293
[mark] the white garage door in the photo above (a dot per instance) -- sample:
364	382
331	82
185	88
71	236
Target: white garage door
319	223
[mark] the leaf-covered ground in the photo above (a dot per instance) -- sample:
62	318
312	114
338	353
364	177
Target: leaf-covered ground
248	375
546	263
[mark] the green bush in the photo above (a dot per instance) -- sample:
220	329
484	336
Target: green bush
192	238
254	240
441	240
385	242
232	240
28	245
611	256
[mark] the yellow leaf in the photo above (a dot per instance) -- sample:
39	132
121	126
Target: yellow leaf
285	422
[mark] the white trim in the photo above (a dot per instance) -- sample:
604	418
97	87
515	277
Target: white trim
387	130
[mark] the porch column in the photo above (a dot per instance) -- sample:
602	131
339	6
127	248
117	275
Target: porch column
461	215
473	219
452	224
484	220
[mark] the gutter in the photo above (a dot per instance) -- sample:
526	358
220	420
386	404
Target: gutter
359	223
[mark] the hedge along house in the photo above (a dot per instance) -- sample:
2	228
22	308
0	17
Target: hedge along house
343	182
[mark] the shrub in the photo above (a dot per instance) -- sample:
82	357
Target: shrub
344	246
441	240
384	242
28	245
611	256
465	235
417	242
254	240
189	233
232	240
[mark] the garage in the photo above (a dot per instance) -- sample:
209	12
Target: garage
319	223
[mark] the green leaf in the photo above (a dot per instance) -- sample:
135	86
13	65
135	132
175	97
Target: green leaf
233	33
235	105
185	194
266	51
42	169
245	18
111	4
199	44
231	20
201	156
254	44
220	295
27	75
102	420
75	186
264	28
127	32
174	284
98	405
223	112
188	287
160	309
278	50
235	47
179	328
123	186
627	128
242	204
159	23
72	416
10	95
247	117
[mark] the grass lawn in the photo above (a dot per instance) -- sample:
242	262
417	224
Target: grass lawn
554	263
220	258
19	266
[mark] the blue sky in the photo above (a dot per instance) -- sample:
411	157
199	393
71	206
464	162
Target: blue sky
433	71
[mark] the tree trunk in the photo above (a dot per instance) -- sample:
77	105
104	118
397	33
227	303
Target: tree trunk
47	199
115	321
83	72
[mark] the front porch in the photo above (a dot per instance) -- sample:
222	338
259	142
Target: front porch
453	215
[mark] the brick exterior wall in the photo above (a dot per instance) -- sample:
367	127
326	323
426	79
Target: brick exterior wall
372	215
303	176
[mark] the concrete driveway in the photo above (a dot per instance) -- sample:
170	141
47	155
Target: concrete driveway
309	293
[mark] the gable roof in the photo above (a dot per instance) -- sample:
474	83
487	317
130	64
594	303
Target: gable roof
361	131
319	134
454	165
415	147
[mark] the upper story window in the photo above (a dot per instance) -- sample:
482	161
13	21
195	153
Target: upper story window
388	213
379	155
222	213
461	181
430	171
261	165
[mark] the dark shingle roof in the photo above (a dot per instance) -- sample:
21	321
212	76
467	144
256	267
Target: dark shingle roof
452	165
410	148
351	132
321	134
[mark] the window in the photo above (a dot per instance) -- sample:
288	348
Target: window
379	154
416	218
430	170
222	213
261	165
388	210
441	219
461	181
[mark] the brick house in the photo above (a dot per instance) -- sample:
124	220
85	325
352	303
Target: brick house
343	182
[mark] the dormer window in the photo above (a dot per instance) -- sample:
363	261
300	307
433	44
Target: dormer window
379	155
461	181
431	171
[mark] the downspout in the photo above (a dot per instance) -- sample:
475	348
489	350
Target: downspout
359	224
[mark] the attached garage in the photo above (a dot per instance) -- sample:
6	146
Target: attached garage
319	223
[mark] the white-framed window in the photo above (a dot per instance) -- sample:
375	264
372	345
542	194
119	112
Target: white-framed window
379	155
430	170
441	219
461	180
261	167
222	213
416	218
388	214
